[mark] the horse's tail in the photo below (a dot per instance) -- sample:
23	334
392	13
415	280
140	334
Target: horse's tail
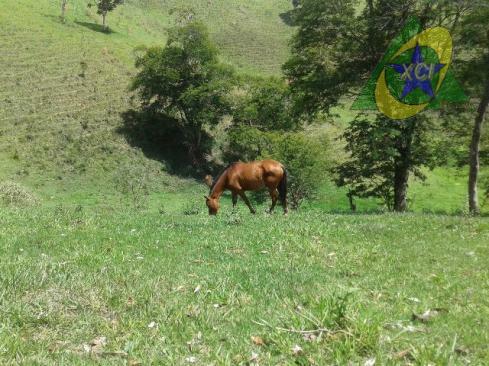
282	188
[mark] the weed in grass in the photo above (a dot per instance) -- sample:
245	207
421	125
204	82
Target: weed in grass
13	194
192	208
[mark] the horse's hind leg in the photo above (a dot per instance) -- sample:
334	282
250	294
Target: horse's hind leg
247	201
274	195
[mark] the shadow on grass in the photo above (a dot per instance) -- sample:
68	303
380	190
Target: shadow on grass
287	17
382	211
160	138
96	27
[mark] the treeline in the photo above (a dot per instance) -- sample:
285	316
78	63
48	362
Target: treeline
187	93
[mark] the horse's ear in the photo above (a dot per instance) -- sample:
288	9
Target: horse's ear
208	180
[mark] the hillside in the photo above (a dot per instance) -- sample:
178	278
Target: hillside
65	85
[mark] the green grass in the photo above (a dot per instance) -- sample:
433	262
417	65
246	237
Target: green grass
69	275
84	261
444	192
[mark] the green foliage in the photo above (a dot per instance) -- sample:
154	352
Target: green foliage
305	158
336	46
186	83
104	6
473	44
381	150
317	69
264	103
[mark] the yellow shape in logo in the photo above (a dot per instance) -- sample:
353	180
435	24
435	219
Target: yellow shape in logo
439	39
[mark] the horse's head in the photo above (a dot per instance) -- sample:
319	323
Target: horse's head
212	204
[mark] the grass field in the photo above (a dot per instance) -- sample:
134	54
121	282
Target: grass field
93	271
174	288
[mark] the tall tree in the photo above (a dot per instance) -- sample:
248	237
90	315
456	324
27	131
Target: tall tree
336	48
186	83
474	41
383	151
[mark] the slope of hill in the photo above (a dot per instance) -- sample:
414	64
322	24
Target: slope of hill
64	86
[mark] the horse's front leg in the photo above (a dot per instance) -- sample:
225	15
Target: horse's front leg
247	201
235	199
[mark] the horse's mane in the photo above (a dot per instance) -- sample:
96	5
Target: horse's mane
220	174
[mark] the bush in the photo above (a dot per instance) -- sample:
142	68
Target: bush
304	157
265	103
133	182
13	194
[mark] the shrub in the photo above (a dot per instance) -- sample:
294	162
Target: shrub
133	181
304	157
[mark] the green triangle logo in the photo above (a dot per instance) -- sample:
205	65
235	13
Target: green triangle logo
414	74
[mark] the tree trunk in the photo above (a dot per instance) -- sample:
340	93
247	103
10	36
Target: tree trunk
401	170
104	20
63	10
401	178
474	152
351	200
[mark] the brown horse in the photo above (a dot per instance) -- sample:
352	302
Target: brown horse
240	177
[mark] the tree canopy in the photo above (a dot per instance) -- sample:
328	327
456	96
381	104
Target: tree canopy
185	82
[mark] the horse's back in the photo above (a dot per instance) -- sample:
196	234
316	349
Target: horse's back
256	174
271	166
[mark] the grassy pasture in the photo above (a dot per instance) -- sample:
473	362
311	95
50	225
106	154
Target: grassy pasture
166	284
179	286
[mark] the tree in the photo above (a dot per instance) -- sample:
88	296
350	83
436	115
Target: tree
104	7
475	40
334	51
383	151
63	9
186	83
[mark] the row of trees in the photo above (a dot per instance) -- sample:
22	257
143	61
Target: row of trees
333	52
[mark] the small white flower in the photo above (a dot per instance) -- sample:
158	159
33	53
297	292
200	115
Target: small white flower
370	362
296	350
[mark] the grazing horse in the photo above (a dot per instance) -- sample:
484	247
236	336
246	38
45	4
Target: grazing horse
240	177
